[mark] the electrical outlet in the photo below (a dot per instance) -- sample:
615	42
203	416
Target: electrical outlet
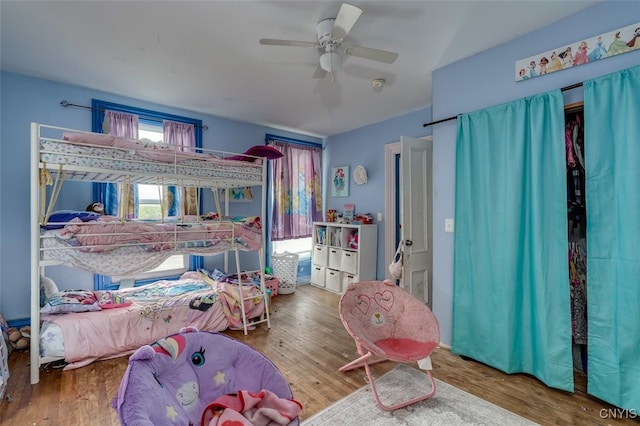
379	217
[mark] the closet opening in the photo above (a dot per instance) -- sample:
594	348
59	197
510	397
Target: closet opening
577	230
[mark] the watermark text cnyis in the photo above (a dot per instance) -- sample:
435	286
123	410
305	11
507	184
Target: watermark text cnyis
618	413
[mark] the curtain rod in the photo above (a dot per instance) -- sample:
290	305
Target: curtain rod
573	86
67	104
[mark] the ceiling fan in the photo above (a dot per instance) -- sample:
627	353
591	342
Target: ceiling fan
331	33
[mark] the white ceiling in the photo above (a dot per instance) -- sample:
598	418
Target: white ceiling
204	56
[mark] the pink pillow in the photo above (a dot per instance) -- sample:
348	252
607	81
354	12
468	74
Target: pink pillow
71	301
88	139
150	150
110	299
187	155
266	151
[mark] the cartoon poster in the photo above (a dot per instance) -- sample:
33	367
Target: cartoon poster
340	181
582	52
239	195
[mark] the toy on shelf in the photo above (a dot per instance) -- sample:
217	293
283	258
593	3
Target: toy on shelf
353	240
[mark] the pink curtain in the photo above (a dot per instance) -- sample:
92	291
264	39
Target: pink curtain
121	124
297	193
179	134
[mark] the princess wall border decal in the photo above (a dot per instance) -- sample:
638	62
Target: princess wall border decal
581	52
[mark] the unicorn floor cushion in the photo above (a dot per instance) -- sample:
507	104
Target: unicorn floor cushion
202	378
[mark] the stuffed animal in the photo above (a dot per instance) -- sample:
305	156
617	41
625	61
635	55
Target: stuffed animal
96	207
353	240
20	339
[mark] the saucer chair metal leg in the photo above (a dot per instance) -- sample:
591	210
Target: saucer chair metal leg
401	404
360	362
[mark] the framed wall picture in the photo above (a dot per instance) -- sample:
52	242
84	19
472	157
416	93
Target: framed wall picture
239	195
340	181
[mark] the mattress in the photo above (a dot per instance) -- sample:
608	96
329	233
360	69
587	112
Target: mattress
156	310
125	248
78	159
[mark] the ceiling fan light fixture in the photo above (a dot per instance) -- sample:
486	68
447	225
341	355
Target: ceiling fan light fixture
330	61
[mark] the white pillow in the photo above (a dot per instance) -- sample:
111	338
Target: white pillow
48	286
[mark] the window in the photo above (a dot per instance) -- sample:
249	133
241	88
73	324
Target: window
296	199
148	207
301	246
149	197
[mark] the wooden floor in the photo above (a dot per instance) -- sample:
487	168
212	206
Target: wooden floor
308	344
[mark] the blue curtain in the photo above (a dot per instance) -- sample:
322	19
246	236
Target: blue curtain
511	303
612	152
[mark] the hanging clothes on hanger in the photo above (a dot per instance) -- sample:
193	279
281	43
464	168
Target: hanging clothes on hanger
576	209
578	287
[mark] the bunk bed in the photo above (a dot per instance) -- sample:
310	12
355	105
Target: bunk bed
117	245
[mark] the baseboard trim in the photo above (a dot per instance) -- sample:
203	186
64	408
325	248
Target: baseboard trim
19	323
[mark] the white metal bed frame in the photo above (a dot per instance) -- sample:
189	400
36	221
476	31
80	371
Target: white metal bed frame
77	172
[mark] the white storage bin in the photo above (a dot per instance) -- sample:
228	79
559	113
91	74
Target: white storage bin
320	255
335	258
317	275
285	269
348	279
349	261
333	280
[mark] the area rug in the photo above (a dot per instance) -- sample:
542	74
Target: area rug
449	406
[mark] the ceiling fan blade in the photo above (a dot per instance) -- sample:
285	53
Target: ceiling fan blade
347	17
294	43
372	54
320	72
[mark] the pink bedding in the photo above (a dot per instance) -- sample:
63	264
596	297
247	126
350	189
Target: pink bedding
108	233
151	150
157	310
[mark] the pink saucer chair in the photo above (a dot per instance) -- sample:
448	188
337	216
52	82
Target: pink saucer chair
387	323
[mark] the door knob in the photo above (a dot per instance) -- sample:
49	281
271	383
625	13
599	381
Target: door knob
408	242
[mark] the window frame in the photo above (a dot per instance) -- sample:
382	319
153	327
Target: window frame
270	244
145	116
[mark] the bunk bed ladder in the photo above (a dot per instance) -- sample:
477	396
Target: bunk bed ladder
246	296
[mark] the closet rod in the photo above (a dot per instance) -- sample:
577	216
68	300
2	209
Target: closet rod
573	86
67	104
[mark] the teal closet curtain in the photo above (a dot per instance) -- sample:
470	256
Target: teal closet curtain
511	306
612	156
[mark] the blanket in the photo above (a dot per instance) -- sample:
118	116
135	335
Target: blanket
108	233
231	301
245	408
156	310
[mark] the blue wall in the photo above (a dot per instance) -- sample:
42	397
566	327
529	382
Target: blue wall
482	80
479	81
365	146
25	99
488	79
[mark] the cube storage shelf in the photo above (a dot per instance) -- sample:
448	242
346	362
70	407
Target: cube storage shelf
343	253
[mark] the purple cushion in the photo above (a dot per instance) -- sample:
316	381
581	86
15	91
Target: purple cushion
187	371
266	151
